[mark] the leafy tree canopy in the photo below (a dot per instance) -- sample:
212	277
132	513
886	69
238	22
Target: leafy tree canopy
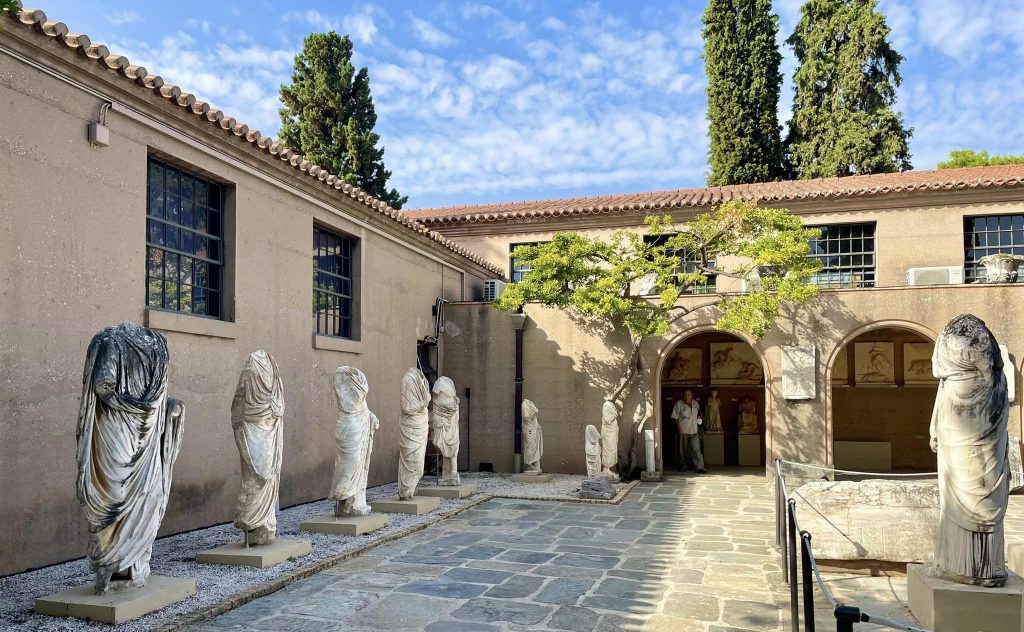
328	116
970	158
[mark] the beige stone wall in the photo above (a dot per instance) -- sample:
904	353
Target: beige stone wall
72	260
570	364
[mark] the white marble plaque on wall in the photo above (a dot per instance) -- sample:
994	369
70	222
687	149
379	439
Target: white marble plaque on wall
799	368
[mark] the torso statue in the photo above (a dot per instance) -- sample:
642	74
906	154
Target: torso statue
592	448
353	438
413	431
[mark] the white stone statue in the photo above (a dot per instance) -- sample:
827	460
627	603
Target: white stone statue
129	434
412	439
532	439
444	429
353	436
609	438
968	431
747	418
713	414
256	419
592	446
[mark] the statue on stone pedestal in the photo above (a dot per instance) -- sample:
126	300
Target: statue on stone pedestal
256	419
532	439
969	433
713	413
592	446
747	419
412	432
444	429
353	436
129	434
609	438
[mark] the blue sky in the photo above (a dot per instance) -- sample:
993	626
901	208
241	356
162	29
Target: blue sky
497	101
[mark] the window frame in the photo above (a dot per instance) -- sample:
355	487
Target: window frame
974	249
322	233
711	287
839	270
512	271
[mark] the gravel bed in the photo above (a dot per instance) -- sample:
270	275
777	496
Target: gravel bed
175	556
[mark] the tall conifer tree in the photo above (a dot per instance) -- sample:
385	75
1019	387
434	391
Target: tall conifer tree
847	74
742	58
328	116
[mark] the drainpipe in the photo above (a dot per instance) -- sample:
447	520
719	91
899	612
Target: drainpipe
519	322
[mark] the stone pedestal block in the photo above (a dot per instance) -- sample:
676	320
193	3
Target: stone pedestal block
714	448
262	556
417	505
531	478
1015	557
750	449
597	489
345	525
465	490
83	603
945	606
650	477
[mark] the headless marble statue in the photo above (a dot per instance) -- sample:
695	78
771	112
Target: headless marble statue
532	438
412	439
129	434
969	433
592	446
714	414
353	437
256	419
609	438
747	418
444	429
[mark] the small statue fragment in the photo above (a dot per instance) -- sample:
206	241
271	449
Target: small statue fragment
592	446
533	439
609	439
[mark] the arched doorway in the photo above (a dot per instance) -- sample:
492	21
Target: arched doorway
713	364
882	393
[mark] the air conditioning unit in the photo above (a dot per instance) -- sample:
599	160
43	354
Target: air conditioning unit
493	289
943	275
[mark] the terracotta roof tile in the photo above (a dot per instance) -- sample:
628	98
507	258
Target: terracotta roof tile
790	190
36	22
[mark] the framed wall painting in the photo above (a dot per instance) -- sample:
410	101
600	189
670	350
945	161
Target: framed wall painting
684	366
874	363
917	364
735	363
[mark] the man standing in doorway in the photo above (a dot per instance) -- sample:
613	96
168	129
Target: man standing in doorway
686	414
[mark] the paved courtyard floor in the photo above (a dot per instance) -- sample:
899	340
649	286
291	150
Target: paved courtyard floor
690	553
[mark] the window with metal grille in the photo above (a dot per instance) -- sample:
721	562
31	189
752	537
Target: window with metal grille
517	269
990	235
689	265
847	255
184	241
332	283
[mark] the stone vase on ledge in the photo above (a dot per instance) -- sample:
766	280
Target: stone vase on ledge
1001	268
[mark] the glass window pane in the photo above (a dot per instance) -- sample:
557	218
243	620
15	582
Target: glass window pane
186	218
199	273
214	249
154	262
171	294
187	239
170	265
185	269
213	303
185	296
173	236
213	223
201	189
154	292
156	201
187	185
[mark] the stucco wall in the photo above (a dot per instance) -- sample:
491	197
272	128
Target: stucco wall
72	260
569	364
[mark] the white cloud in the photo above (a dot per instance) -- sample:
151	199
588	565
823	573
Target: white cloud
495	73
473	10
430	34
553	23
118	18
200	25
313	18
360	26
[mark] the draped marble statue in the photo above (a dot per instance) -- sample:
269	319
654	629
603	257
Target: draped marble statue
592	446
129	434
444	429
746	420
412	438
532	439
353	438
256	419
714	413
969	433
609	438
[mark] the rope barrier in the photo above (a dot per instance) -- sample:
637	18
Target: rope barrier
822	468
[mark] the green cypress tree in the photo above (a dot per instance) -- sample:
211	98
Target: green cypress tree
328	116
846	79
741	58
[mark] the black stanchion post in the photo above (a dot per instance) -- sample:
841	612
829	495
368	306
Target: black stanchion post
806	574
846	616
794	595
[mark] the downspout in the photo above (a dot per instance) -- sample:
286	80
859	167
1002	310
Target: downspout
519	322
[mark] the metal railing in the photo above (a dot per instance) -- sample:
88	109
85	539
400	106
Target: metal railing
787	528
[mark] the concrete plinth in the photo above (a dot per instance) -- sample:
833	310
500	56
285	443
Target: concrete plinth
345	525
262	556
417	505
714	448
750	449
945	606
650	477
464	490
531	478
83	603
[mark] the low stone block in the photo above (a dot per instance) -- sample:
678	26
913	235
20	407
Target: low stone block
892	521
345	525
597	488
83	603
531	478
714	448
465	490
650	477
945	606
750	449
262	556
417	505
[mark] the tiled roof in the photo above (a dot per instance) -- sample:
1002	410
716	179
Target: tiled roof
219	123
790	190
